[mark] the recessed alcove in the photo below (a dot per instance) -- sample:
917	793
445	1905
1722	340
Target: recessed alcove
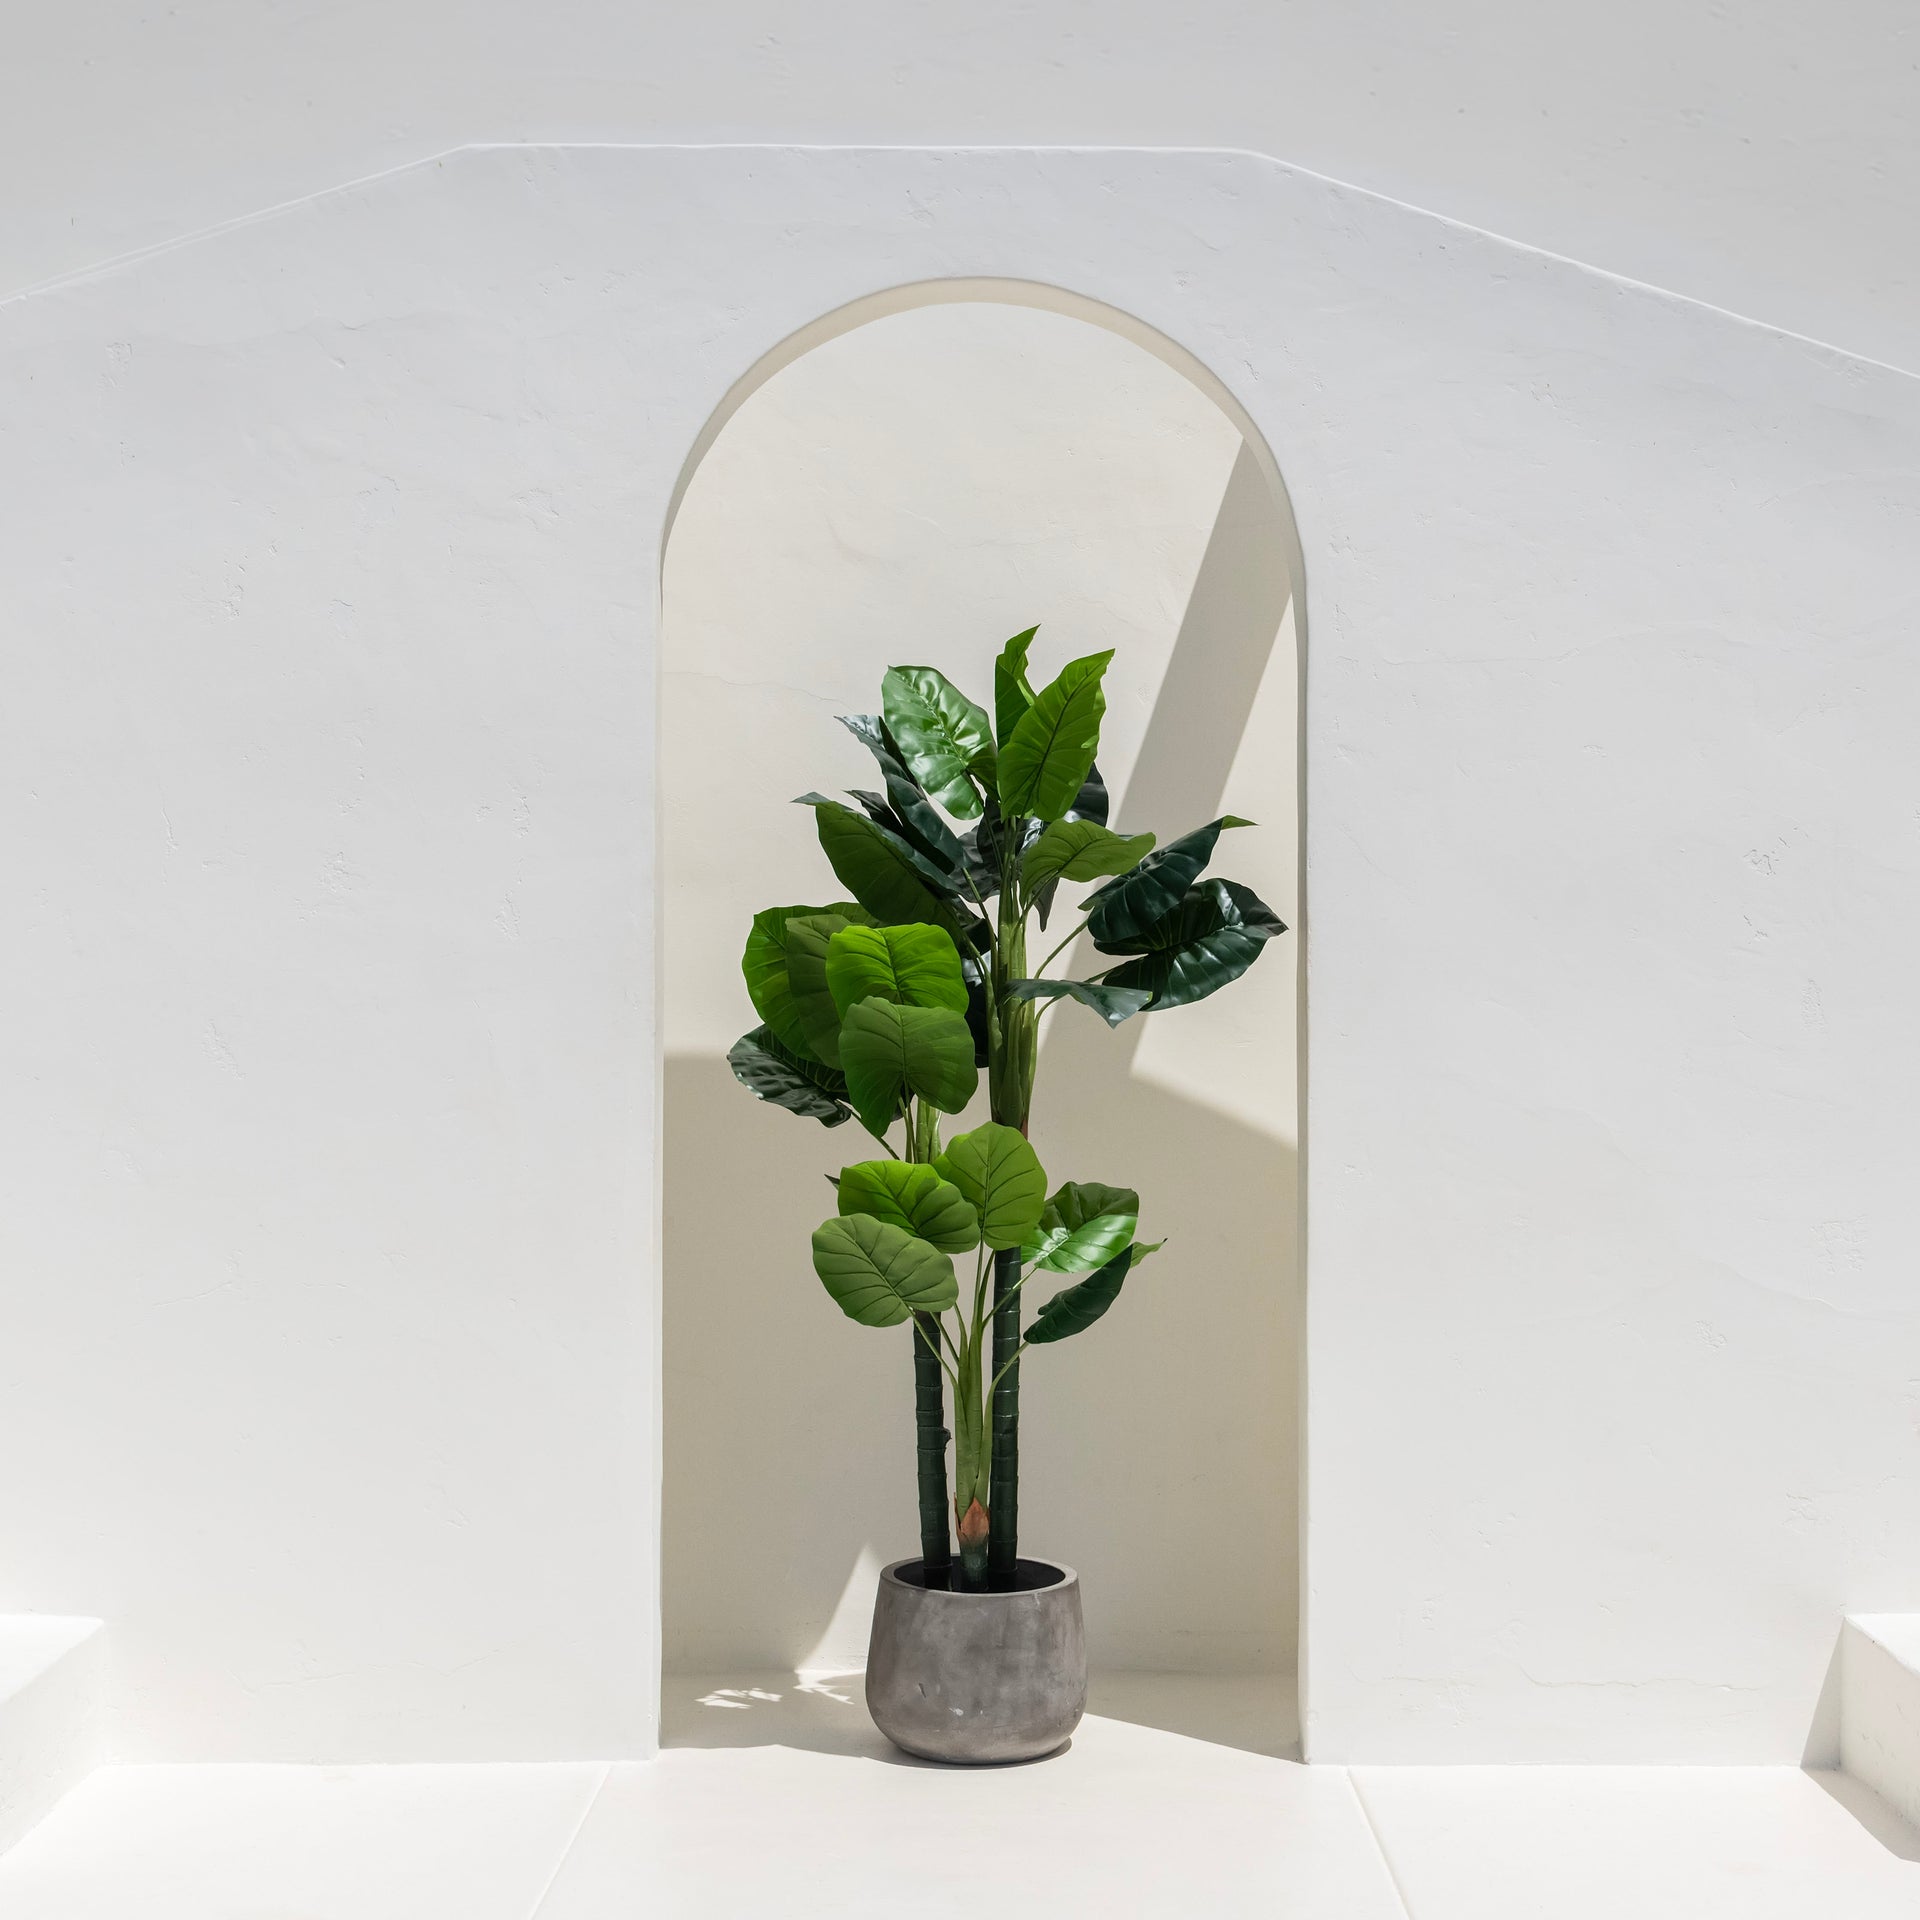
911	481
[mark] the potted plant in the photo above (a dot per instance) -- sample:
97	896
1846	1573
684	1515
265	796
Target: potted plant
886	1008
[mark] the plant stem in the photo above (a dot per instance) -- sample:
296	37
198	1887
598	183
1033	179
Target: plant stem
930	1443
929	1393
1010	1088
1003	1515
1061	948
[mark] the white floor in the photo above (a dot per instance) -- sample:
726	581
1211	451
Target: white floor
780	1800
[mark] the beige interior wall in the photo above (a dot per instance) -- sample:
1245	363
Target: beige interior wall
913	492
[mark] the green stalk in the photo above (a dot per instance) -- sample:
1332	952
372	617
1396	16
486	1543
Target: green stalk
1010	1090
929	1394
970	1470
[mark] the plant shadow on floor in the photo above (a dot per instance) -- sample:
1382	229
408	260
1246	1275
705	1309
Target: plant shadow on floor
827	1714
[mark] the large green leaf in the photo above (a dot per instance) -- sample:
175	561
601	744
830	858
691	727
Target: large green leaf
1079	1201
941	734
1078	1307
1112	1003
915	817
1002	1179
765	966
1012	696
805	937
1079	1249
1090	803
1050	753
880	1273
914	1197
1209	940
880	870
1080	850
887	1051
1124	909
772	1072
916	966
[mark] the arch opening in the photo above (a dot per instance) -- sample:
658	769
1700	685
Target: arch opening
911	479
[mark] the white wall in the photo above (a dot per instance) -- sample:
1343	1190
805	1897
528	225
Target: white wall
1764	157
914	491
330	541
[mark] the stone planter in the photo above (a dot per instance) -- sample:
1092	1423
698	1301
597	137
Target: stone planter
978	1678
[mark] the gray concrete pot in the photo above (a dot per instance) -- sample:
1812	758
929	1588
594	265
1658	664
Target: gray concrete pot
978	1678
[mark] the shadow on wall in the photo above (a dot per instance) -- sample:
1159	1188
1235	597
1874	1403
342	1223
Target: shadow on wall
1159	1453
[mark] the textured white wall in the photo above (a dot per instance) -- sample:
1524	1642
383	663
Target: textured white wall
1764	157
329	547
915	491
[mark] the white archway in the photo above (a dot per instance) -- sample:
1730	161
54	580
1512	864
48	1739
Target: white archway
1241	594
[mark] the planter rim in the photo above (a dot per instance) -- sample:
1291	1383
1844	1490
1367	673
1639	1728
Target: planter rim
890	1574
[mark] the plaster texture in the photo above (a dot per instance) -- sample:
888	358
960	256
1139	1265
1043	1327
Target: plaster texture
52	1690
1765	158
1880	1707
331	551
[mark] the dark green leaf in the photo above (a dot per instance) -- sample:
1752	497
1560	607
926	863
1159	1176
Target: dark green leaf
1112	1003
1090	803
879	1273
805	938
887	1051
1078	1307
918	820
941	734
1080	850
1125	908
917	966
1082	1200
1047	759
1012	696
771	1072
1001	1176
913	1197
1209	940
880	870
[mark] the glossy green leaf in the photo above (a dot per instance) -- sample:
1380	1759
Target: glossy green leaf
917	819
804	938
1078	1307
1214	935
1079	1201
942	735
1112	1003
887	1051
770	1071
1012	696
915	966
1050	752
879	869
913	1197
764	964
1079	1249
1080	850
1090	803
1002	1179
1124	909
879	1273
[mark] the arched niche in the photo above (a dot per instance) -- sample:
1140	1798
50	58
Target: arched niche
1166	1450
